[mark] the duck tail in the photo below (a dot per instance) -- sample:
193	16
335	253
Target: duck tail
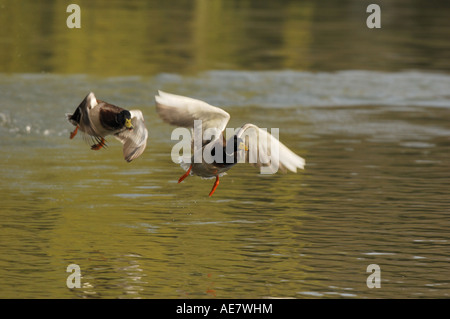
70	118
75	117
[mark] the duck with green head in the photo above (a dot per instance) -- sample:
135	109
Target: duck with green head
245	144
99	119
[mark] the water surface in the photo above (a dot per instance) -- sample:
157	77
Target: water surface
367	109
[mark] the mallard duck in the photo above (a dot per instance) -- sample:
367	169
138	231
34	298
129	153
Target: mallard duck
99	119
246	143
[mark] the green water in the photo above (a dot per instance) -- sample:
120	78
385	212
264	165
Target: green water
367	109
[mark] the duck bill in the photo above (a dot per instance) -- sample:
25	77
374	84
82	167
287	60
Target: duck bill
128	124
242	146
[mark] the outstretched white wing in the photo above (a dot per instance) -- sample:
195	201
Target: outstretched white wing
267	152
134	141
183	111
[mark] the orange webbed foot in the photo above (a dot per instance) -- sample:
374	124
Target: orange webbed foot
72	134
185	175
98	146
216	183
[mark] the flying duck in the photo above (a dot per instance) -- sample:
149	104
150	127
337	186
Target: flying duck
249	143
99	119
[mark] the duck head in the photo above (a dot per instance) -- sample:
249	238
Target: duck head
232	149
239	144
124	119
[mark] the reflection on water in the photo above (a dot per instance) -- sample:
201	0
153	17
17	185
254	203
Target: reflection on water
376	144
149	37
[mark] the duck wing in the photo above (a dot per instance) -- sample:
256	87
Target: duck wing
134	141
267	152
183	111
81	115
85	117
